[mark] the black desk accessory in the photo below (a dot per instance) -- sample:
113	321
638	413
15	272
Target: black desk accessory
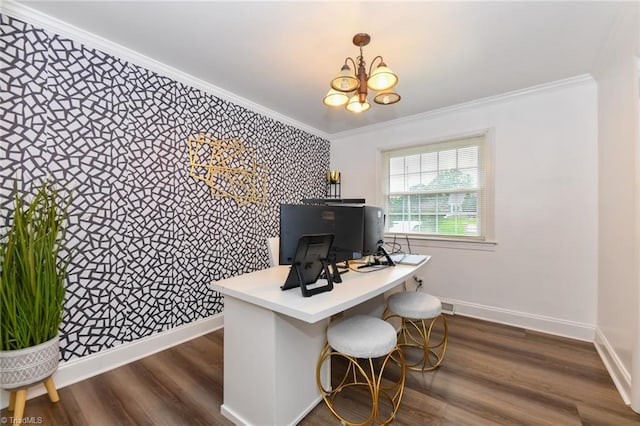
310	261
381	252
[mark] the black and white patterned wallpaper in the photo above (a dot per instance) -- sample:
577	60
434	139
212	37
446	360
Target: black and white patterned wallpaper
148	238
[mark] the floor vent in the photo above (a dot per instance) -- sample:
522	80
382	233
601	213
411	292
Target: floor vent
448	308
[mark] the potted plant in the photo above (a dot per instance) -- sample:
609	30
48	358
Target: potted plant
32	279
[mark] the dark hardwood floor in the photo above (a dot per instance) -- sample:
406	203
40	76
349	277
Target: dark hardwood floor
492	374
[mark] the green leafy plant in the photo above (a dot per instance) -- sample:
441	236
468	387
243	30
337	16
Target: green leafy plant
32	277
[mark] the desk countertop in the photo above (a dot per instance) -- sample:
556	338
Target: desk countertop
262	288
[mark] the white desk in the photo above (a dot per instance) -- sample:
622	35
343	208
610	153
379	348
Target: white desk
273	338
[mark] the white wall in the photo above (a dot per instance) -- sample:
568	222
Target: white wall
542	272
618	321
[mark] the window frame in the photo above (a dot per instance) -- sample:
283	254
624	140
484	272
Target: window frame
486	211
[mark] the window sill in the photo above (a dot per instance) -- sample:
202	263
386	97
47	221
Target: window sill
450	243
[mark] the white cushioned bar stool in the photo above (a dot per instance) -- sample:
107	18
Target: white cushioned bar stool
359	350
422	345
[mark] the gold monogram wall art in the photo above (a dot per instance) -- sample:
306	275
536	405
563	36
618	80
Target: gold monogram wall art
229	168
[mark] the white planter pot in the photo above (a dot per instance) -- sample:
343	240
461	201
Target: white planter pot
24	367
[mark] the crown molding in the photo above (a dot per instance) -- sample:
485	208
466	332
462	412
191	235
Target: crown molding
572	81
55	25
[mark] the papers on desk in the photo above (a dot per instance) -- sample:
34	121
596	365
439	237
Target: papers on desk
408	259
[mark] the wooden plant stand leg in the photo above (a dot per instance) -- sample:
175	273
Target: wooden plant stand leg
20	400
51	389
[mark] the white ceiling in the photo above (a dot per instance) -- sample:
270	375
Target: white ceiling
282	55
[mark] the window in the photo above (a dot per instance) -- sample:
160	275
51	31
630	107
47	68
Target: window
437	189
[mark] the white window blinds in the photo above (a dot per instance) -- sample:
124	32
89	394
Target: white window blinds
437	188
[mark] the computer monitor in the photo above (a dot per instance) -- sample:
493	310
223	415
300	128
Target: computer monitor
358	230
373	230
346	223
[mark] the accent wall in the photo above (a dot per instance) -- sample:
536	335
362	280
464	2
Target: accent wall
147	238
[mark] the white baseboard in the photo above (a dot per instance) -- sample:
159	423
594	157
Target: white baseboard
620	376
555	326
88	366
586	332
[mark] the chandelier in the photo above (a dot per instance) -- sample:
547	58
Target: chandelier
350	87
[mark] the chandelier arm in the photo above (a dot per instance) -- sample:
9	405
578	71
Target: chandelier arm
372	62
355	68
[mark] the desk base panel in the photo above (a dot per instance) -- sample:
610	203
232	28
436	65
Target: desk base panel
270	362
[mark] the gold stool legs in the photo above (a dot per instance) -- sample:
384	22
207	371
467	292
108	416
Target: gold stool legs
18	399
12	400
367	374
424	337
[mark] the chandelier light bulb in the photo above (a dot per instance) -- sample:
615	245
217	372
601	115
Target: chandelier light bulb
335	98
386	97
354	104
382	78
345	81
